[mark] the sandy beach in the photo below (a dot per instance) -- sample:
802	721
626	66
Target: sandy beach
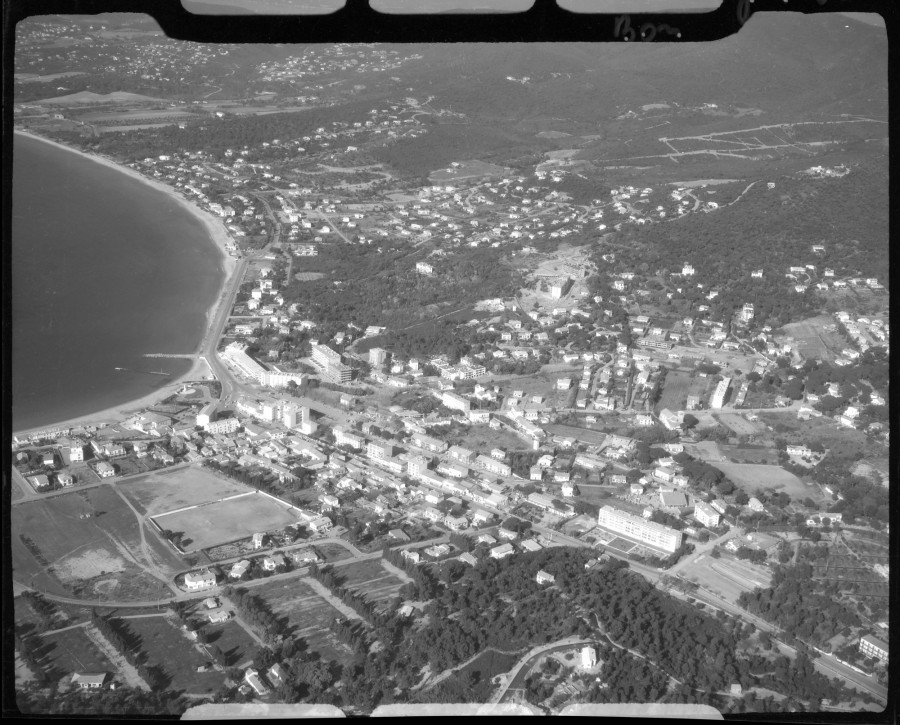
220	237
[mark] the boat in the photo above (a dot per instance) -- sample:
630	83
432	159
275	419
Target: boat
120	368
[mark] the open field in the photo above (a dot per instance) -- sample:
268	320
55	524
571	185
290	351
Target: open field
749	454
221	521
812	340
739	424
370	579
167	647
751	477
309	616
332	552
726	577
706	450
72	651
466	170
64	554
166	490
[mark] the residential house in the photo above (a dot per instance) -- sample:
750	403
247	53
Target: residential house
89	680
195	580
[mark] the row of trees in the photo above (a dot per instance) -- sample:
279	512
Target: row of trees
128	644
47	613
256	612
424	585
41	702
27	646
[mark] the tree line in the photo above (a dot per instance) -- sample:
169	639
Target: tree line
117	633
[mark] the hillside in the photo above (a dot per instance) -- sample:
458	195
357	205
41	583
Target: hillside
773	229
87	97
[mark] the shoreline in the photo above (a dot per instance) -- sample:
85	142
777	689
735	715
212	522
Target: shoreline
218	237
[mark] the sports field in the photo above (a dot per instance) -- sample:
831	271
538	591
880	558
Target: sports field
166	490
752	477
80	539
222	521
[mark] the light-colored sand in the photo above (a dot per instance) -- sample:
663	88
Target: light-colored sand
199	370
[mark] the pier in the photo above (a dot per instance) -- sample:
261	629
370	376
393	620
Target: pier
186	356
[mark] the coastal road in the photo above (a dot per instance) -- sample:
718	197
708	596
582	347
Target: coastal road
217	327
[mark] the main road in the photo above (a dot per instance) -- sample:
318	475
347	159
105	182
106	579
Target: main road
217	327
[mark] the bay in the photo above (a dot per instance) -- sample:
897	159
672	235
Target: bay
104	270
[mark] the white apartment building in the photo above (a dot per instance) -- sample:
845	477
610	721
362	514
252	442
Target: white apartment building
648	532
718	397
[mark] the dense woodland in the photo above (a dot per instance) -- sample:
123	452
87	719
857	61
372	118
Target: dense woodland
367	287
798	604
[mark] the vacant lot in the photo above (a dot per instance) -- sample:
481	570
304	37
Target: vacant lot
157	493
752	477
167	647
63	553
309	616
72	651
739	424
591	437
675	391
221	521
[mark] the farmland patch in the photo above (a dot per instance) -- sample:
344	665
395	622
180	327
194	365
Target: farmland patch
370	579
308	615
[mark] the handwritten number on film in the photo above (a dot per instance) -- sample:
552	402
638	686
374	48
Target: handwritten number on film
647	32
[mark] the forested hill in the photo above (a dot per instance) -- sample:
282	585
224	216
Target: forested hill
773	229
779	62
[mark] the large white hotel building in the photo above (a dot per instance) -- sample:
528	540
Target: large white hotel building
635	527
236	354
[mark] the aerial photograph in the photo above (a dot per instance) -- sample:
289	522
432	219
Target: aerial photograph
539	378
